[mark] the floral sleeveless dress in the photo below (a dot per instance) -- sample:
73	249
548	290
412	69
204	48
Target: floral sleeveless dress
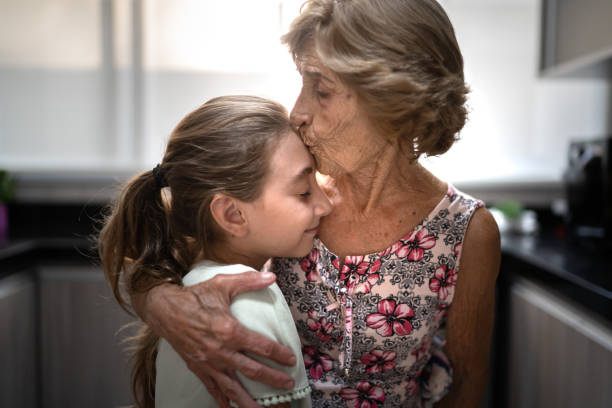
372	331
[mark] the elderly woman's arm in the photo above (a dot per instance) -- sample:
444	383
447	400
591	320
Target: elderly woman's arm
197	322
470	318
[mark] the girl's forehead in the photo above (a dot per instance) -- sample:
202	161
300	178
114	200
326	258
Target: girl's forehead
290	159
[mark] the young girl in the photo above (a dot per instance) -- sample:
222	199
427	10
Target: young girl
236	186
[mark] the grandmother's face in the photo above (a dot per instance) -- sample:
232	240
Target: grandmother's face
331	122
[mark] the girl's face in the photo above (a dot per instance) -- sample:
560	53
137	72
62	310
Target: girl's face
331	122
283	221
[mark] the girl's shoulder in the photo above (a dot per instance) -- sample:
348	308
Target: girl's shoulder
205	270
266	312
260	310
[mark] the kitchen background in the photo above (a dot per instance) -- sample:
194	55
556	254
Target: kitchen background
90	90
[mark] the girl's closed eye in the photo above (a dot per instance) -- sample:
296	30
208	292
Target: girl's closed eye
305	194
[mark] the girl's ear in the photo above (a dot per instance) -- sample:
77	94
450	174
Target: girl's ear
228	215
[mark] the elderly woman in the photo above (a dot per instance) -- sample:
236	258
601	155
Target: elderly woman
394	304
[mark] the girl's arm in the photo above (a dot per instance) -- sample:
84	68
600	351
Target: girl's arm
197	322
471	314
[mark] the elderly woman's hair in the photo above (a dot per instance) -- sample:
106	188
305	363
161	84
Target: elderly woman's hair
401	57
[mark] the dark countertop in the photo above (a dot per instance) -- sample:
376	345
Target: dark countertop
580	273
24	254
591	271
50	234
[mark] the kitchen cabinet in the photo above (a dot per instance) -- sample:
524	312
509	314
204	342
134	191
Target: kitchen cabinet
559	354
576	38
83	363
18	380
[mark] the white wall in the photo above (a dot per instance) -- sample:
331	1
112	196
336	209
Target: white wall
85	87
520	125
51	90
196	50
58	113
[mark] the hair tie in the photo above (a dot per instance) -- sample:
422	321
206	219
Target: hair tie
160	178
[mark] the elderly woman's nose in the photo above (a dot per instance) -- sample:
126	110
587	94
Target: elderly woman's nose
299	116
299	119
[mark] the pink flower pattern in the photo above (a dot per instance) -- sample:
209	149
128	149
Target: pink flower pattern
378	360
370	281
416	245
321	326
309	265
365	395
353	265
392	249
357	270
442	281
316	362
391	319
399	298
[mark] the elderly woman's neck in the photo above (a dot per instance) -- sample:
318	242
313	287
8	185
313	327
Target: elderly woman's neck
391	175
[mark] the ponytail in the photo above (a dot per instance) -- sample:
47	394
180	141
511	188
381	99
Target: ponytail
143	355
136	241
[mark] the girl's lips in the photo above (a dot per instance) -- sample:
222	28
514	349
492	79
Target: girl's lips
312	230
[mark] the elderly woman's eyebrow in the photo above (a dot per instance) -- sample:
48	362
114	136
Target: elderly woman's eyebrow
316	75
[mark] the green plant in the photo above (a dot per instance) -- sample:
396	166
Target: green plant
7	187
510	208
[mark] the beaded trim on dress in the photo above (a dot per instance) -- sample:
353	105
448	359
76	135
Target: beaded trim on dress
294	395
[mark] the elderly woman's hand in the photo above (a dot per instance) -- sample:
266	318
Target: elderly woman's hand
197	322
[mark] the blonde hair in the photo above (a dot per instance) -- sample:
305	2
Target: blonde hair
149	238
401	57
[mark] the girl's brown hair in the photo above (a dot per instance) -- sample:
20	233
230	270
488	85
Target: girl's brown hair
402	58
154	234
